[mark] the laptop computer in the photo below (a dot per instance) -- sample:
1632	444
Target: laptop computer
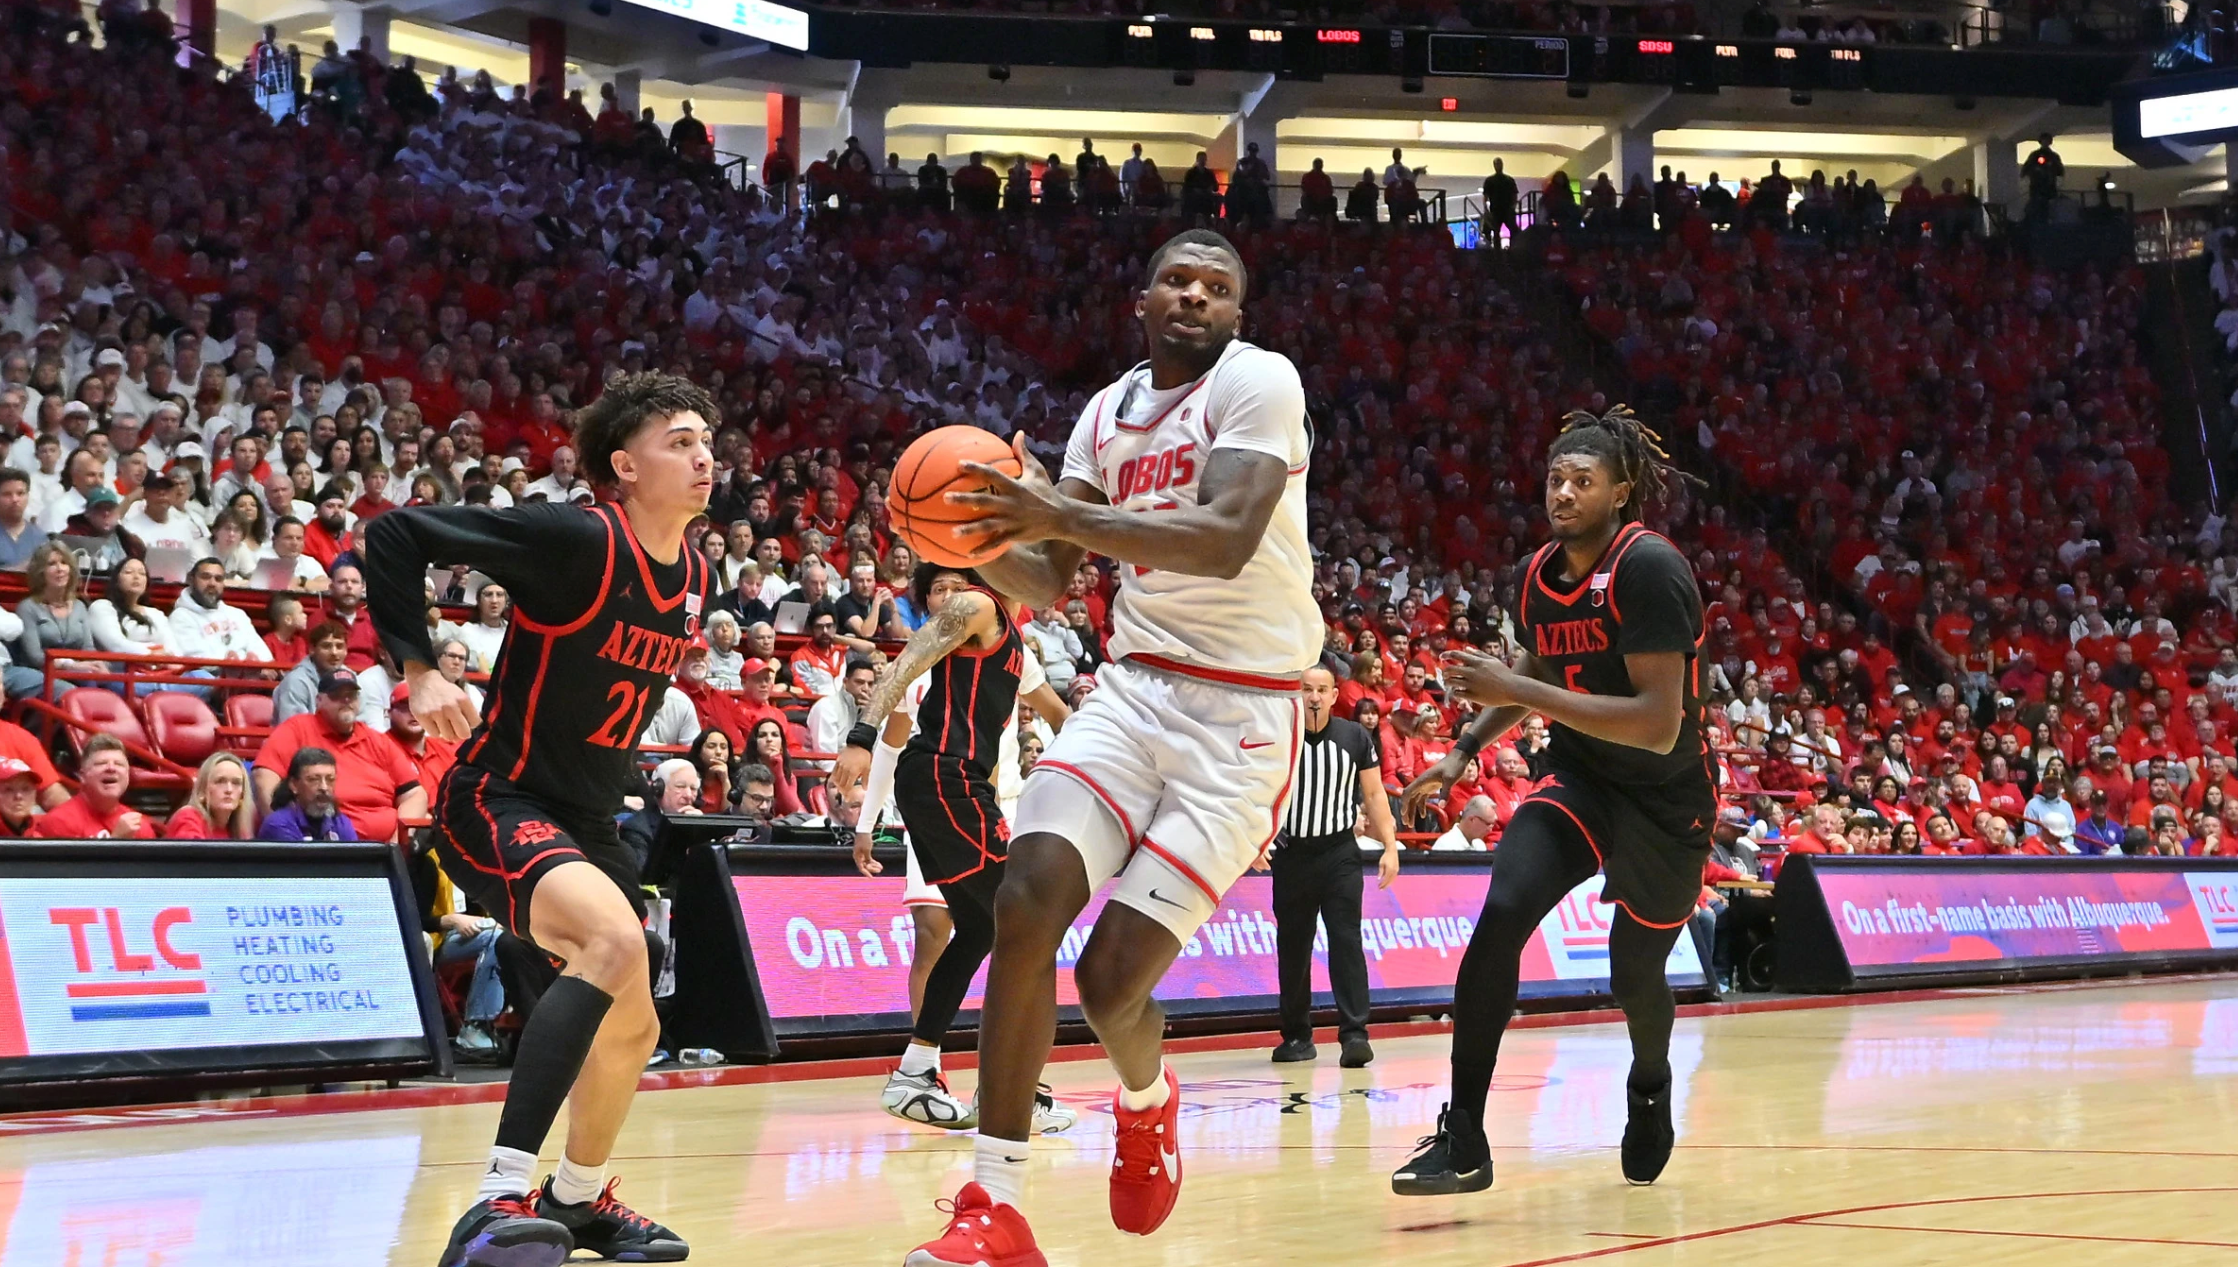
169	563
792	618
272	574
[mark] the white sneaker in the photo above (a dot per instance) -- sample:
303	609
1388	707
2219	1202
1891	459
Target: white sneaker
1050	1117
923	1098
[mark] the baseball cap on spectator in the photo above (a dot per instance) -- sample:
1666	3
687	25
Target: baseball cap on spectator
401	695
581	493
2006	701
336	680
107	357
159	482
10	768
755	666
102	495
1733	814
187	449
77	407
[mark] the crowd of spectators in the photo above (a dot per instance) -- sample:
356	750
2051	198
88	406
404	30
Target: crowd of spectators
240	356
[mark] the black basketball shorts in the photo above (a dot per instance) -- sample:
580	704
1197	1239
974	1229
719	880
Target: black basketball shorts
956	827
496	842
1651	842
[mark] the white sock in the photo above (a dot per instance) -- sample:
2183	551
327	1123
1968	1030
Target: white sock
1154	1097
999	1166
509	1174
919	1058
573	1184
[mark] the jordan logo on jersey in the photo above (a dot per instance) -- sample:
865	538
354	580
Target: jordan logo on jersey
1571	637
638	648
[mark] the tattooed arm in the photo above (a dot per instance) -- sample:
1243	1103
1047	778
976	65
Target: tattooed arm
967	616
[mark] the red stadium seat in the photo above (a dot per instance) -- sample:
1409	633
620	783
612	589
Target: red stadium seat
248	710
182	726
104	711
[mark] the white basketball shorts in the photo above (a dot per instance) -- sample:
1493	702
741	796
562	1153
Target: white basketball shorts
920	893
1191	768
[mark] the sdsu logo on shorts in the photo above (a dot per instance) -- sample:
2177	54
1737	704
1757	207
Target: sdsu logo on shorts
533	832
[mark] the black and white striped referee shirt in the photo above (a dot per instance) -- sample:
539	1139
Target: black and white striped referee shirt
1326	798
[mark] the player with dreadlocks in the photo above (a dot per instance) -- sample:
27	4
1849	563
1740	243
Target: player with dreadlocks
1611	622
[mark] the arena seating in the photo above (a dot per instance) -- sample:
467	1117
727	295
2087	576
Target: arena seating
1796	377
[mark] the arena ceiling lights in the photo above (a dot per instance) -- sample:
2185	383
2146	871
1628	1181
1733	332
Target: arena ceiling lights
1745	141
1120	126
1387	132
755	19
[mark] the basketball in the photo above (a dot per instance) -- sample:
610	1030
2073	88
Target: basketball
929	470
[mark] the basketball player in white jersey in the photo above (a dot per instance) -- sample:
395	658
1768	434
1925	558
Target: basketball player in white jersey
1190	473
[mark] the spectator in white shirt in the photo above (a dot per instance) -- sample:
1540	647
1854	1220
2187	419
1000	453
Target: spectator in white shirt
484	636
159	521
726	665
556	486
1058	646
82	476
205	627
675	725
287	546
1477	820
835	714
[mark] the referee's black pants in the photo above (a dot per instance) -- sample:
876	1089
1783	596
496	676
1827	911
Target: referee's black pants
1319	876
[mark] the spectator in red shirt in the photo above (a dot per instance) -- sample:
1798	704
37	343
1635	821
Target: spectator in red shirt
19	799
716	709
2159	794
432	757
288	636
345	605
757	679
1510	782
375	785
1998	791
219	807
323	536
97	812
1366	682
20	745
820	664
1401	755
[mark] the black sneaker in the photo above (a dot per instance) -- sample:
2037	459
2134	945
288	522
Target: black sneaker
1294	1050
1647	1133
612	1230
1445	1163
1357	1054
506	1232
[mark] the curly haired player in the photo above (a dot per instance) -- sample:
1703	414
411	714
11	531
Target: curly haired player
525	821
1611	620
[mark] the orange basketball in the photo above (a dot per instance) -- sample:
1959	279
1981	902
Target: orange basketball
929	470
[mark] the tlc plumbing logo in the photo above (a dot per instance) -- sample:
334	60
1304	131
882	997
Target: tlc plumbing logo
114	981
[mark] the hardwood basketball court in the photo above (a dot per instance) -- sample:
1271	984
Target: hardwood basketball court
2084	1125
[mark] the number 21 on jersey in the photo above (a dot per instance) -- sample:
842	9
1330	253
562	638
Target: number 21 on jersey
627	721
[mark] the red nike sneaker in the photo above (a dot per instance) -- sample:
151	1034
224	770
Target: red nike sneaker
980	1233
1146	1175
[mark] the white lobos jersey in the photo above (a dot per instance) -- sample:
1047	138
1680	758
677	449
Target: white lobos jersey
1147	450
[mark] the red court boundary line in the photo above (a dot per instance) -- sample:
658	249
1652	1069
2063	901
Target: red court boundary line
2038	1236
16	1125
1810	1220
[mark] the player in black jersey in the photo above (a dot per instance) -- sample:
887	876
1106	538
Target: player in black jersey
1611	621
605	601
942	779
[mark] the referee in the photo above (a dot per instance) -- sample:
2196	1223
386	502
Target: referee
1316	865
